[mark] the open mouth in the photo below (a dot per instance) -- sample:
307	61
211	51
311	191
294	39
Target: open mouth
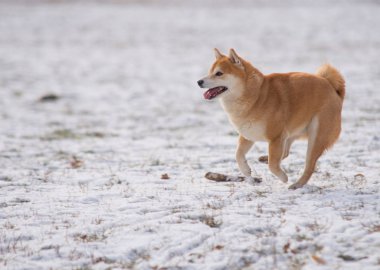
214	92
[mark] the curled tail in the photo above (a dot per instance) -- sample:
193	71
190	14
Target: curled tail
334	77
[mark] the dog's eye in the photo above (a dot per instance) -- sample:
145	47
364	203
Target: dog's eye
218	73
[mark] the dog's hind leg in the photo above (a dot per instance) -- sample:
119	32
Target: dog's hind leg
242	149
276	151
323	131
288	144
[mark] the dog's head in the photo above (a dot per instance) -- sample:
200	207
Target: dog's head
226	76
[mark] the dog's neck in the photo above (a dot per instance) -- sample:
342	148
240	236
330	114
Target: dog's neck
243	105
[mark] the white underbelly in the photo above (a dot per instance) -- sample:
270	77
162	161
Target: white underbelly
252	131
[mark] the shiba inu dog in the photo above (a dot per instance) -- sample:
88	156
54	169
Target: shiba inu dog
277	108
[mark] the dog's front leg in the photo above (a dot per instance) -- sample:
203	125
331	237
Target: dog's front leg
242	148
276	152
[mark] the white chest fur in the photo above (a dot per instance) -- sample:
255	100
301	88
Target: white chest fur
253	131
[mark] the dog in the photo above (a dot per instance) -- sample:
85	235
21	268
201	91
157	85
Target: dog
278	108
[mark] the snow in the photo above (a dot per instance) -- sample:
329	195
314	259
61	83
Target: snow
80	177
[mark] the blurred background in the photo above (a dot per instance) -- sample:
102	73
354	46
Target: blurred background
126	70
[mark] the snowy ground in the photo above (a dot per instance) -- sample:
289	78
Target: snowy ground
80	177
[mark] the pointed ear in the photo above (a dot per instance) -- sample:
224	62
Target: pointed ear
235	58
217	53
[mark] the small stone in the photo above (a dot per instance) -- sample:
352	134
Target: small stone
49	98
165	176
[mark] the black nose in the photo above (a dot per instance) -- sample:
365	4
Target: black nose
200	82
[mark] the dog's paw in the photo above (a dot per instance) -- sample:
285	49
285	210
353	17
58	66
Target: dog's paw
284	179
244	168
295	186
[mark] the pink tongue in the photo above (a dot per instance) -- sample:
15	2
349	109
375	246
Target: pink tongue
209	94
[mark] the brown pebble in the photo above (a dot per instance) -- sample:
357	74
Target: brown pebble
49	98
76	163
165	176
263	159
216	176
